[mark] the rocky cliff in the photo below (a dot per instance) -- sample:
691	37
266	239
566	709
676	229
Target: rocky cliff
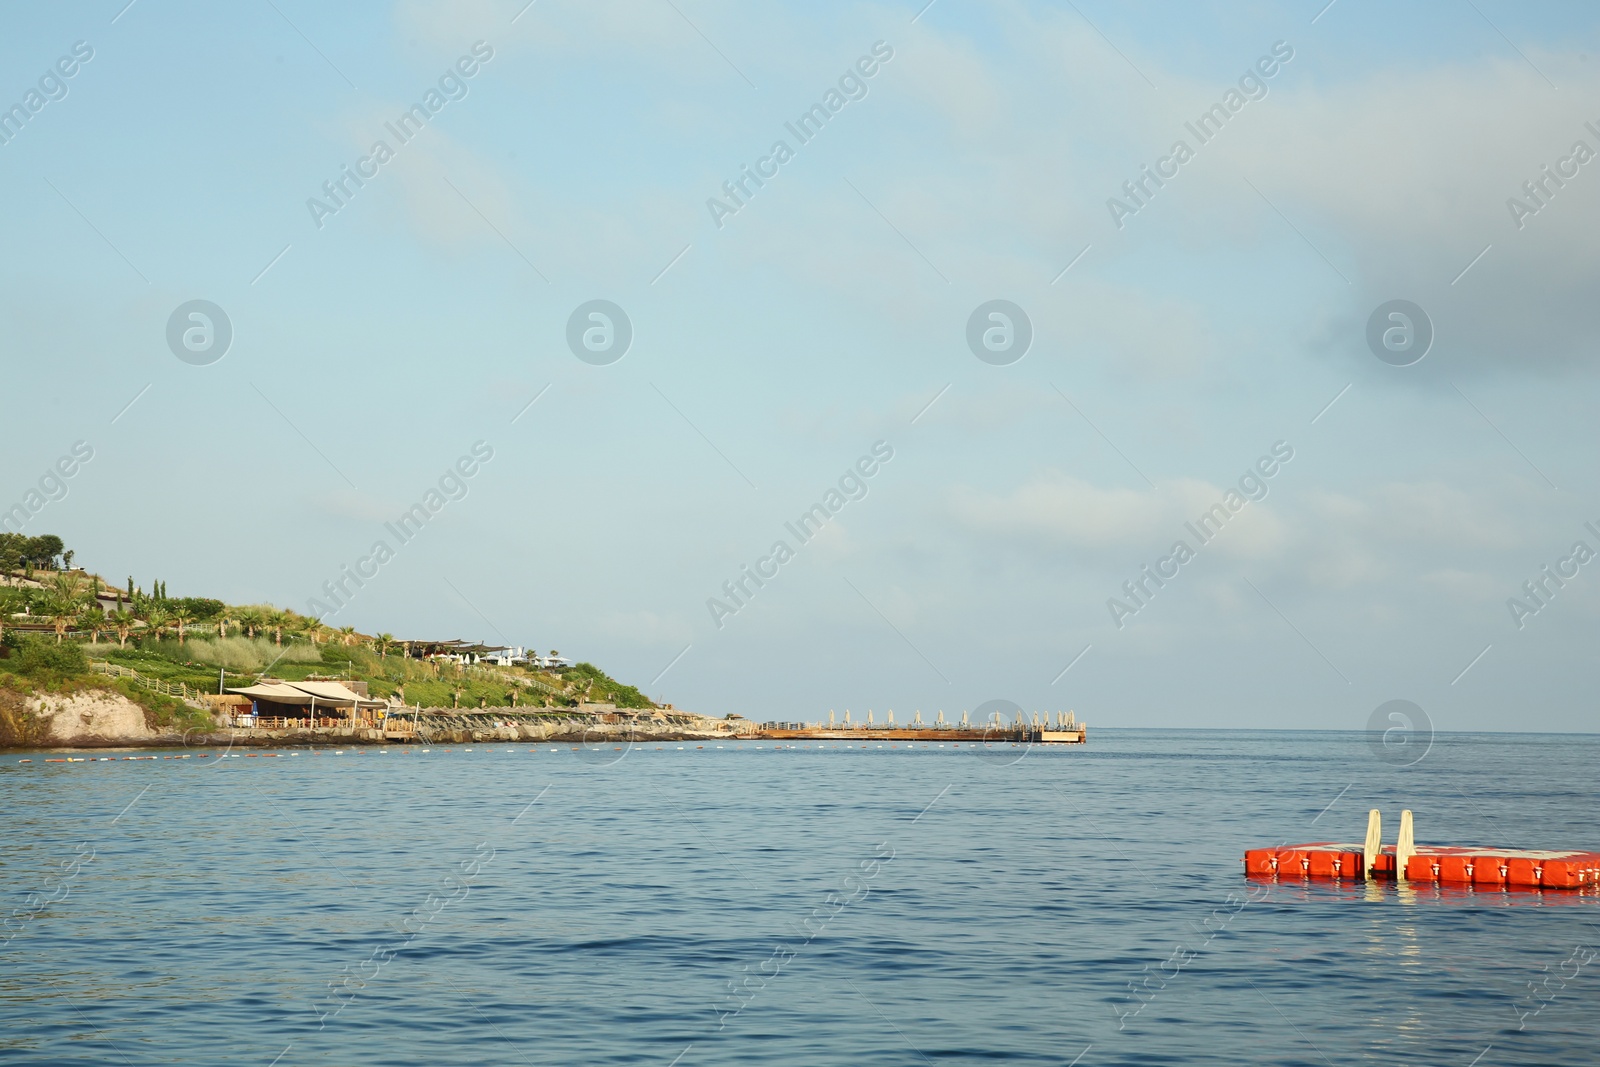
86	717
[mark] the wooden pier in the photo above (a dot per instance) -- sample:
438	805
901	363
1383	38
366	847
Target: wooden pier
1022	735
439	725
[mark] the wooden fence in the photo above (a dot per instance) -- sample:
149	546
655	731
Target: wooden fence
393	724
189	695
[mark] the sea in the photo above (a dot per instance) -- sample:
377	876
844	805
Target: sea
711	903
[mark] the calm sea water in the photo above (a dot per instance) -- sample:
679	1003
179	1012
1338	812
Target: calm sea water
909	905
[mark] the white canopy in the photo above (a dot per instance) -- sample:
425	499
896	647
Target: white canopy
329	694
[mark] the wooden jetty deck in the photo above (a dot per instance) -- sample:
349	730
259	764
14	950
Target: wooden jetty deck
430	725
1027	735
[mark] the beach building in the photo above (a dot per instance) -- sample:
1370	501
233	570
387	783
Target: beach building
469	652
457	651
452	651
279	705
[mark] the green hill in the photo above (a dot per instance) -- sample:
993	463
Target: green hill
63	628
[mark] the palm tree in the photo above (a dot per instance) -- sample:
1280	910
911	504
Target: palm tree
10	601
253	618
275	621
182	617
121	621
222	622
69	587
382	643
156	621
64	602
347	635
96	623
61	611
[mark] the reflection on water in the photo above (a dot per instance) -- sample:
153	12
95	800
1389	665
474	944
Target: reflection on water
613	920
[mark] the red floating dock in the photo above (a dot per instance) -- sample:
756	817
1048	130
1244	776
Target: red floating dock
1482	866
1518	867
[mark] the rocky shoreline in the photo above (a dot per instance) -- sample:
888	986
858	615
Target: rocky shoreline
224	739
103	719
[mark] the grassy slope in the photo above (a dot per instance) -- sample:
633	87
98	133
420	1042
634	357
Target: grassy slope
431	685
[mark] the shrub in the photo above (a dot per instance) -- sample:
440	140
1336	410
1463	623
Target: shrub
201	607
603	687
42	657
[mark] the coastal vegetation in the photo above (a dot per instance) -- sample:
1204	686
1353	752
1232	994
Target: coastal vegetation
64	629
34	666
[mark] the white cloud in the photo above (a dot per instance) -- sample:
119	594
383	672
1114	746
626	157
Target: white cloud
1061	511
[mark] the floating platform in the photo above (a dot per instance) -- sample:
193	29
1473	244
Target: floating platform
1405	861
1493	866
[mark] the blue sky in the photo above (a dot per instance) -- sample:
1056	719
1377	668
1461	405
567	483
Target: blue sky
771	353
